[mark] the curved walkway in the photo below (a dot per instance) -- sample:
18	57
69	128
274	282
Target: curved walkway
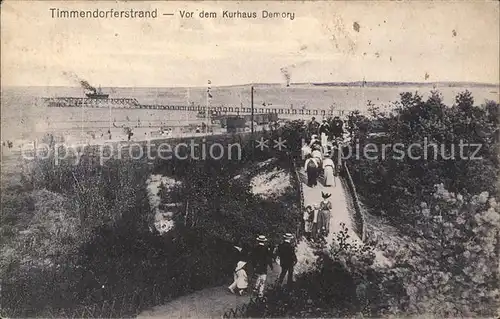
213	302
205	303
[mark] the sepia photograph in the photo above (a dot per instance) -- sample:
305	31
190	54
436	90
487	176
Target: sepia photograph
250	159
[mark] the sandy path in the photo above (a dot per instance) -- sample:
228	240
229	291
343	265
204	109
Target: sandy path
205	303
342	211
213	302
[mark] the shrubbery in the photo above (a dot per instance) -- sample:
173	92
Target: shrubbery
452	270
392	185
101	248
450	265
446	210
449	271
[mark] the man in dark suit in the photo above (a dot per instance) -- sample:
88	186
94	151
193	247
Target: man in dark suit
288	259
261	258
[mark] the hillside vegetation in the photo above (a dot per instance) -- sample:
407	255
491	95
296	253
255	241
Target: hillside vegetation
79	239
445	213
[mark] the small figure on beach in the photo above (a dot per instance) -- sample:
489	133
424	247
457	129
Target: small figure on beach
128	132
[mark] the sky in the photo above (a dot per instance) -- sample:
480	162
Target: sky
396	41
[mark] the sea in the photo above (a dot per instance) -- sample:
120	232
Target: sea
24	117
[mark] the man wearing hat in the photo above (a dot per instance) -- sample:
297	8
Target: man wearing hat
313	126
288	259
324	131
261	258
337	129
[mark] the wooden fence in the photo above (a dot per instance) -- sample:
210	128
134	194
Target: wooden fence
359	220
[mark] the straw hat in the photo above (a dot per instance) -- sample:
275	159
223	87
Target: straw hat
288	237
261	239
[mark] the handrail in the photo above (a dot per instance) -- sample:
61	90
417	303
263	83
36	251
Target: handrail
296	176
356	202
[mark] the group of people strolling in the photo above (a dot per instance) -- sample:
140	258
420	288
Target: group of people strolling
318	161
317	219
262	257
328	129
319	154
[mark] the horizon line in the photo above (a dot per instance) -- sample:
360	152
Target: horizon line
323	83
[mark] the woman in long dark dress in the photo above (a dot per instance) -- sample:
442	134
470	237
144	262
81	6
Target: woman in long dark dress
312	168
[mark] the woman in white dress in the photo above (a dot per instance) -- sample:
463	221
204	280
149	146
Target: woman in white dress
328	171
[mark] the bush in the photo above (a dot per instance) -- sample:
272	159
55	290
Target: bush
453	269
108	253
449	266
390	186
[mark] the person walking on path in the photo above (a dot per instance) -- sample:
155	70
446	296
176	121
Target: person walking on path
288	259
325	208
316	152
329	169
312	168
261	258
314	141
324	131
314	224
313	126
337	128
308	219
240	279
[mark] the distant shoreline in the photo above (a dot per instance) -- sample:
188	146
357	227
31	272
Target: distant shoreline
312	84
408	84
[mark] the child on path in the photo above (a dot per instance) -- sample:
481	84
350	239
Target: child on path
308	219
240	279
314	224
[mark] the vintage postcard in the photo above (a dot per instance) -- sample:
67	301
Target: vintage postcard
217	159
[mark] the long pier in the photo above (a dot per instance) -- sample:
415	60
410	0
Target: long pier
132	103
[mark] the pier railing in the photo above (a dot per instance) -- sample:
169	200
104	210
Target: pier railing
132	103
